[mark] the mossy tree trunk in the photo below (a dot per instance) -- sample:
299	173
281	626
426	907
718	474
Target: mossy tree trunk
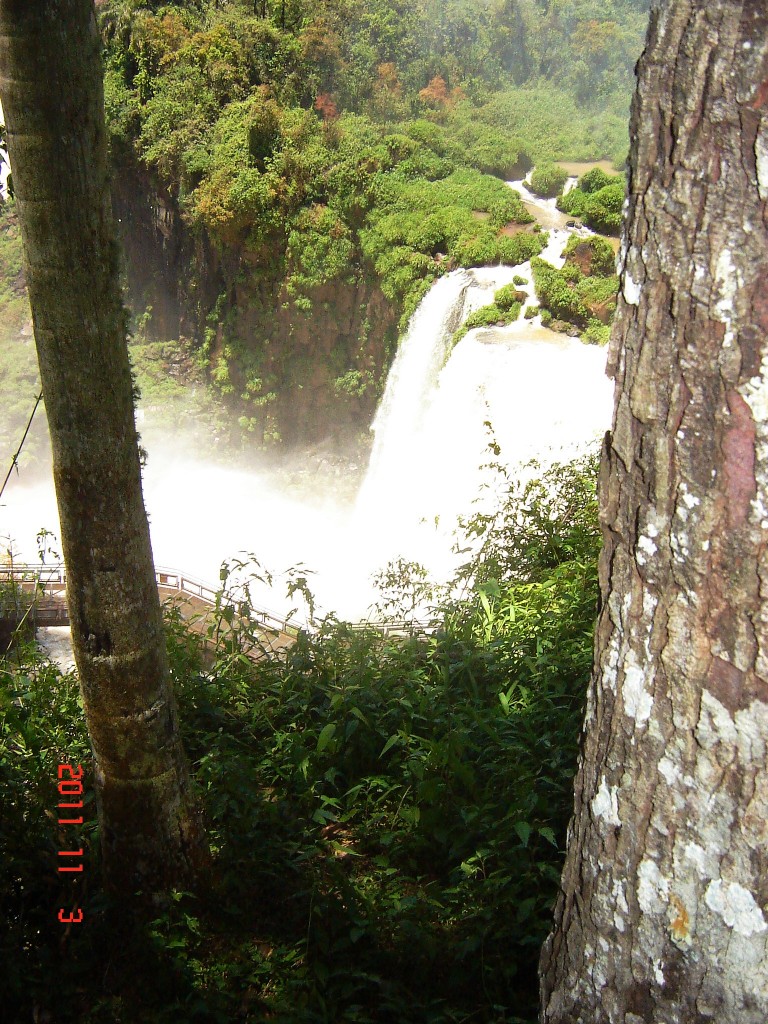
663	915
51	88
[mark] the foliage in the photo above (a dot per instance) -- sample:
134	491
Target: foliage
41	726
583	292
295	138
548	180
319	248
598	199
596	333
387	811
603	209
505	309
550	124
595	255
418	227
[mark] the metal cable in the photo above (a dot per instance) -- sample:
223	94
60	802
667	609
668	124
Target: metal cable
15	459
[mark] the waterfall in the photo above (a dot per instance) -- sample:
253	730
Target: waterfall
541	395
5	168
412	380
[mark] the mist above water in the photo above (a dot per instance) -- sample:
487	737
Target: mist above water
544	395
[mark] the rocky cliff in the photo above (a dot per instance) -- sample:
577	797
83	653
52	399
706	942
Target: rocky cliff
292	370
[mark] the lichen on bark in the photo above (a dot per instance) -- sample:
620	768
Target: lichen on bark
662	917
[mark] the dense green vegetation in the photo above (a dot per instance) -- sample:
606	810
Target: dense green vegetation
317	149
583	293
547	180
387	813
598	199
307	160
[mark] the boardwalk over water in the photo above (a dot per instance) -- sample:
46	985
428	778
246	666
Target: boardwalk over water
198	603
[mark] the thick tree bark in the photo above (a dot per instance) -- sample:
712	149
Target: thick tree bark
50	80
663	917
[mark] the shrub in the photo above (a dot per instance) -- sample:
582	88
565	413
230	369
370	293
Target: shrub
594	180
319	248
548	180
600	204
570	296
573	202
507	297
596	333
554	293
603	209
504	309
596	253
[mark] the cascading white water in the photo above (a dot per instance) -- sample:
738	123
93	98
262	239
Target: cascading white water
545	210
541	395
412	380
403	448
5	167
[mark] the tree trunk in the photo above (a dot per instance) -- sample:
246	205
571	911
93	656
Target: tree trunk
662	917
52	96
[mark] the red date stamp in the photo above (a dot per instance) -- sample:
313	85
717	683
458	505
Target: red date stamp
70	801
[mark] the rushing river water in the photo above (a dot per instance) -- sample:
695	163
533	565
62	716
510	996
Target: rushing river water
544	394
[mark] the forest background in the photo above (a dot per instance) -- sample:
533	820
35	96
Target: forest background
387	815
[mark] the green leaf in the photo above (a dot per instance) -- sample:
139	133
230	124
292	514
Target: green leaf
524	830
548	834
325	737
390	743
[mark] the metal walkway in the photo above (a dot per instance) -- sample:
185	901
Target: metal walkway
50	582
194	597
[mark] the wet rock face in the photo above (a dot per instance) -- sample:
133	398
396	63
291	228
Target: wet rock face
325	364
320	367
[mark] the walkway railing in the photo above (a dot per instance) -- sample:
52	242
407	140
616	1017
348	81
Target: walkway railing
52	580
190	586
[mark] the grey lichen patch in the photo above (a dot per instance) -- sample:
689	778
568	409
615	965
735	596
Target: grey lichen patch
736	906
638	700
652	888
761	160
605	804
755	394
630	289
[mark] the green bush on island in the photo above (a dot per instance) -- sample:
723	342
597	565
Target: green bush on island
505	309
547	180
593	254
596	333
598	199
603	209
594	180
575	298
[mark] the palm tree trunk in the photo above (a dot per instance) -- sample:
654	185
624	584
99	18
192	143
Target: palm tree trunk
51	91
